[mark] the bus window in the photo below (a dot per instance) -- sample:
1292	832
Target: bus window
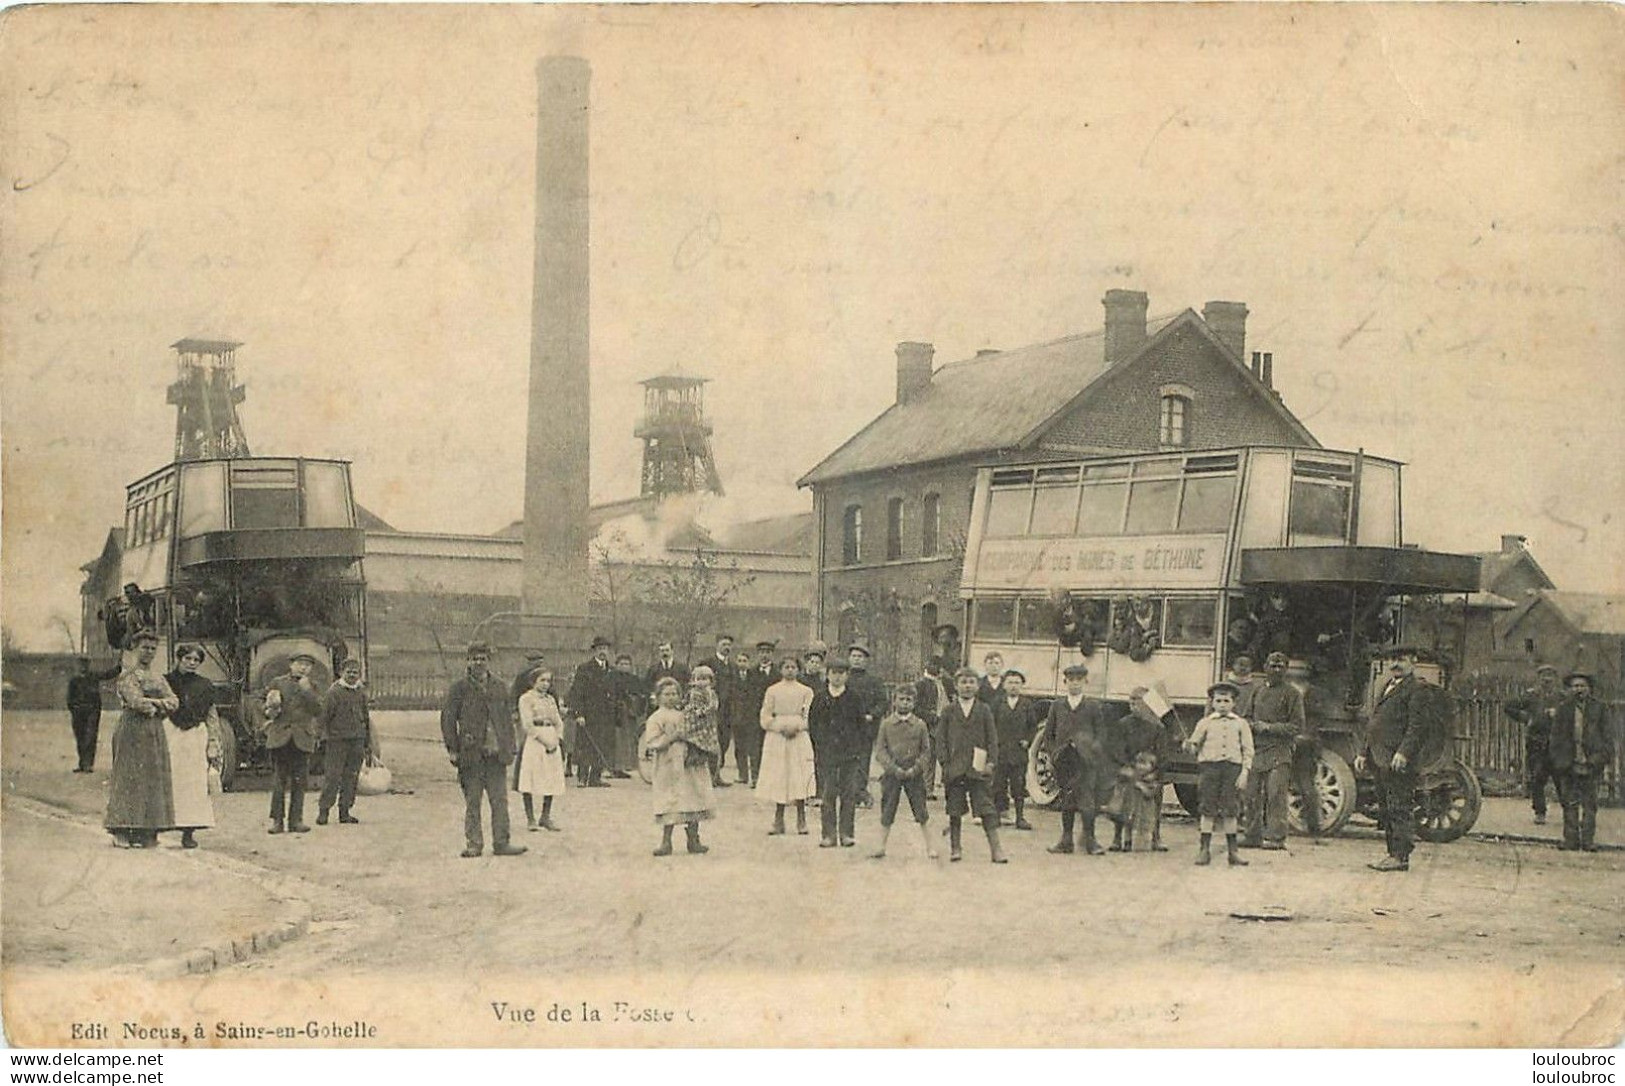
1008	511
203	499
1101	511
1055	510
1035	620
1207	504
1191	622
993	620
1320	507
327	497
264	496
1151	506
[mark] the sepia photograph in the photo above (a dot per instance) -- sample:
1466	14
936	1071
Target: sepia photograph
934	526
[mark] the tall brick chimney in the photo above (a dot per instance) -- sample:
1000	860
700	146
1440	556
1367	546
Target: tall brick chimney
1512	544
556	529
1228	320
913	369
1125	323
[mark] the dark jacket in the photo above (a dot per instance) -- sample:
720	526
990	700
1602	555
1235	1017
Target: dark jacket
876	702
1078	742
1130	735
594	693
836	727
1276	713
926	698
1016	727
673	670
1597	738
736	700
1534	709
472	707
85	691
196	695
345	714
956	737
1409	720
297	719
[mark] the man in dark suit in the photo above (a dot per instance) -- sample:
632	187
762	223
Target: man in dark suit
293	710
835	724
1581	747
85	710
1535	709
724	676
476	726
593	698
665	667
1076	735
1405	735
739	718
876	703
747	726
968	745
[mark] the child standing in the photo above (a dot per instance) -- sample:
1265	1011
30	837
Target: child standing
904	753
541	771
787	752
682	773
968	745
1016	721
1223	745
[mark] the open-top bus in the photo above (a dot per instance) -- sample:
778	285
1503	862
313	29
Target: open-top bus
1158	569
256	559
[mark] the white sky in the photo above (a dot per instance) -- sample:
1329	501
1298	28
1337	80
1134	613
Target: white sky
1420	207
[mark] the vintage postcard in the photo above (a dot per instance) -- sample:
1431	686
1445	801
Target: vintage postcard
807	525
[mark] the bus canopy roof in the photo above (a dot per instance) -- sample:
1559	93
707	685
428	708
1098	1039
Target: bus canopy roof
1398	571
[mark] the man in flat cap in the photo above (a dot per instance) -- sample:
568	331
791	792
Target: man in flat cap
1275	710
476	726
293	711
1535	709
1581	747
592	699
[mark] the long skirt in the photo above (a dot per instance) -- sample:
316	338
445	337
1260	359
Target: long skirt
787	773
682	792
140	796
189	776
541	773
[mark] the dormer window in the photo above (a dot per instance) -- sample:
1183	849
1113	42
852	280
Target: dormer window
1173	430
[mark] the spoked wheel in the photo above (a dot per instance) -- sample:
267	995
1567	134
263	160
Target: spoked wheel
1448	802
1041	787
226	738
1335	788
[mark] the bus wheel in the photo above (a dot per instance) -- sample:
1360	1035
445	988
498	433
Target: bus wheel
228	756
1188	795
1447	803
1041	787
1335	788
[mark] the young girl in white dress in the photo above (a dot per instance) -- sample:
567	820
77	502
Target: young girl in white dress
683	742
541	766
787	751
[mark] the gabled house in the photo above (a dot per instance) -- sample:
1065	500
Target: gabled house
1577	631
891	505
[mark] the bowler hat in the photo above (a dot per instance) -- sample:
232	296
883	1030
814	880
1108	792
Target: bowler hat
1224	688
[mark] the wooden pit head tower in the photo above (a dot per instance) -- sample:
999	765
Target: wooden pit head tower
677	457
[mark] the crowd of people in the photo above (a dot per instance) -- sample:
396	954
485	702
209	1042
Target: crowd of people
812	730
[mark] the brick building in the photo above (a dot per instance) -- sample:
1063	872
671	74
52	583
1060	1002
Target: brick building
891	506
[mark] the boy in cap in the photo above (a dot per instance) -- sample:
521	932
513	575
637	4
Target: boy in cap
1015	720
1075	736
1223	745
841	754
293	709
904	752
968	745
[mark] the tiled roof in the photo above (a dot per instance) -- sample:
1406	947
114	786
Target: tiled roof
1591	612
980	404
1497	564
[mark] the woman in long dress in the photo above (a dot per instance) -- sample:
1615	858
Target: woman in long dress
787	754
186	734
139	799
683	743
541	769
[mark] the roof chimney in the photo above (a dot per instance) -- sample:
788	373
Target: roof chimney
913	369
1228	321
1125	323
1512	543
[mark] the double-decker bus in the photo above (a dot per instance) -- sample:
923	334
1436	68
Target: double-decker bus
256	559
1158	569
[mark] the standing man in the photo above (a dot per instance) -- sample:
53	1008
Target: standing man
724	676
1535	710
665	667
347	737
739	719
592	700
930	695
1076	735
835	724
85	710
747	726
293	711
876	703
1582	744
1275	710
1402	735
478	733
1306	752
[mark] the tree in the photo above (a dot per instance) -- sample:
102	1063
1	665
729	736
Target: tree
690	590
613	581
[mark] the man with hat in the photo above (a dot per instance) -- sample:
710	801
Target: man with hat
1075	738
1274	708
1535	709
1403	735
293	710
477	728
876	704
592	700
1581	748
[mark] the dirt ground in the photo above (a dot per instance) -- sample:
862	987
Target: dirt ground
1486	921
